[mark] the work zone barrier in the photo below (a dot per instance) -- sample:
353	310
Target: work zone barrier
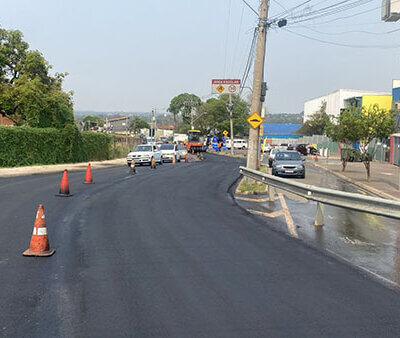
342	199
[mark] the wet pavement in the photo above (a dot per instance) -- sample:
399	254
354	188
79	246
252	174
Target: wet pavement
369	242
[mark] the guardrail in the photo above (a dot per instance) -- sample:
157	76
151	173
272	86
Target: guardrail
342	199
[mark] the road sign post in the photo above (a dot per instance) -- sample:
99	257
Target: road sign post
227	86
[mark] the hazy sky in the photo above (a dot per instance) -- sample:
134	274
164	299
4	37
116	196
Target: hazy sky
136	55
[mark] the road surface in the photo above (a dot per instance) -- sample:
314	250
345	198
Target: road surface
167	252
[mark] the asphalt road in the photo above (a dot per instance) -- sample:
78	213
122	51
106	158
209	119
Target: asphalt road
167	252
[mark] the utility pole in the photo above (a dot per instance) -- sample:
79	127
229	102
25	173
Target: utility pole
230	109
153	124
254	144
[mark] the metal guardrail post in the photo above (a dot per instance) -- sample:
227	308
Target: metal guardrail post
319	216
271	193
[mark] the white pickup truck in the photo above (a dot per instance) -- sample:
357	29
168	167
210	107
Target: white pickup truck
143	154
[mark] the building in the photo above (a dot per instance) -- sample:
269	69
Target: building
6	121
164	131
118	125
279	133
343	98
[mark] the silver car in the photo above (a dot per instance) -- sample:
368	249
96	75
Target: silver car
288	163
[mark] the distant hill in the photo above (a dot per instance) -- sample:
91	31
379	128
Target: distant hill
284	118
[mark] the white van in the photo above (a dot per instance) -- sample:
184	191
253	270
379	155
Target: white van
237	144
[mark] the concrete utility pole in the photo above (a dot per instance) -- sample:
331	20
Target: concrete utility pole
230	109
153	124
252	155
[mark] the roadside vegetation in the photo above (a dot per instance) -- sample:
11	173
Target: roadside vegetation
44	130
362	126
213	112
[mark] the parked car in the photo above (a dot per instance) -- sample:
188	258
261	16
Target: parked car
237	144
271	156
168	151
288	163
182	151
143	154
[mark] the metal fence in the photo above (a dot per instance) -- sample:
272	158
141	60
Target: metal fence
342	199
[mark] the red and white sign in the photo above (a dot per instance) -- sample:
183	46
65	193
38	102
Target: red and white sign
225	86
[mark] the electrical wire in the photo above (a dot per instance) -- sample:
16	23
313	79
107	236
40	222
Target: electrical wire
342	44
351	32
249	62
248	5
227	36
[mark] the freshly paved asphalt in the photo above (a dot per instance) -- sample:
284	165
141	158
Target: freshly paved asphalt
167	252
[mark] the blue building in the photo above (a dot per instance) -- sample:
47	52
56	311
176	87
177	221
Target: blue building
281	130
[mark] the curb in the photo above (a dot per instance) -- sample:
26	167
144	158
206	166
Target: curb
56	168
358	184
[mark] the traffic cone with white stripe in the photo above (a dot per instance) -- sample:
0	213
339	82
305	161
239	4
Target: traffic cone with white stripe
39	245
173	159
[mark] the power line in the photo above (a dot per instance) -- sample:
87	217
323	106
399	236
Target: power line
237	41
351	32
249	62
227	36
342	44
250	7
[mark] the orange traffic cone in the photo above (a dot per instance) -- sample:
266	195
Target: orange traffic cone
88	176
64	187
192	151
186	158
132	169
153	163
173	159
39	245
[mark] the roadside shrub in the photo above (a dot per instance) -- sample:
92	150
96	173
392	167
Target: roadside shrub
27	146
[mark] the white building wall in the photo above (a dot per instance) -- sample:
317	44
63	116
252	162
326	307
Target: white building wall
334	101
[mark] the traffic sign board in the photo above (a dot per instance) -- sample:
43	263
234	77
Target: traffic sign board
220	89
225	86
254	120
225	133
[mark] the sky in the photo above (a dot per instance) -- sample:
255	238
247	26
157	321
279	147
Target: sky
133	56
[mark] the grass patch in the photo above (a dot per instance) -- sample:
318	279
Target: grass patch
247	187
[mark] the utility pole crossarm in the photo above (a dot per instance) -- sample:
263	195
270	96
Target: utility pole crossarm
252	155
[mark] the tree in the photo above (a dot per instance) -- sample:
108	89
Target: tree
217	116
362	125
137	124
317	122
29	95
183	104
90	121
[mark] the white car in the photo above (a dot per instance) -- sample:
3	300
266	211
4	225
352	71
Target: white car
168	151
237	144
182	151
143	154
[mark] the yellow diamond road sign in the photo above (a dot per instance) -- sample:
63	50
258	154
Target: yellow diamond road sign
254	120
225	133
220	88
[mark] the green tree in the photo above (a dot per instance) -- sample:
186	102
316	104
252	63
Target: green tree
137	124
362	125
217	115
316	124
29	95
183	104
91	121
